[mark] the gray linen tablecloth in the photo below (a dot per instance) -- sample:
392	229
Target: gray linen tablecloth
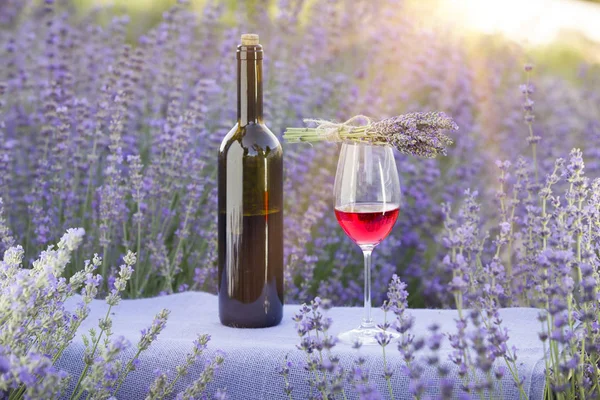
253	356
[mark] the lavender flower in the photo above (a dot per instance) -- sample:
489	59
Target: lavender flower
284	371
29	299
35	298
148	336
197	388
327	375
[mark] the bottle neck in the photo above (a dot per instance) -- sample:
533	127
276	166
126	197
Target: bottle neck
249	84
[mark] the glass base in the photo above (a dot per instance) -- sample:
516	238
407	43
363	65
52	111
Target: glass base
366	334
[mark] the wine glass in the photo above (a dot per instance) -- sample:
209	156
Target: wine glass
367	203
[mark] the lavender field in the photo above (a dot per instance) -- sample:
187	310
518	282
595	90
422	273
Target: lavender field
115	129
119	136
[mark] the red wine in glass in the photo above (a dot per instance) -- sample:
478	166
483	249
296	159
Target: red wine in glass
367	223
367	203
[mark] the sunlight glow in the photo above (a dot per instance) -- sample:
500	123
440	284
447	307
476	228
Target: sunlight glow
528	22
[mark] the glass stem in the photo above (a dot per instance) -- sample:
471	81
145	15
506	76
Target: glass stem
367	320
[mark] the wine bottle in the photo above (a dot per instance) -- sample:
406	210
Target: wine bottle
250	206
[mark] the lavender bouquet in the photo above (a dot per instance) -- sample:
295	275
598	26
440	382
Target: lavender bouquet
418	134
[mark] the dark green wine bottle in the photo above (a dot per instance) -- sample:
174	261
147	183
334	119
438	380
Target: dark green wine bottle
250	206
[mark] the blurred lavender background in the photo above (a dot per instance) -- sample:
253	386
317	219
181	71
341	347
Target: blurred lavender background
111	116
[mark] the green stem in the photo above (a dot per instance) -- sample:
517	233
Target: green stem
546	361
76	394
64	346
529	126
138	259
295	135
515	375
315	372
104	266
167	222
581	388
595	378
128	369
417	396
171	386
387	378
510	235
465	352
17	394
144	283
89	182
287	382
321	359
27	237
177	249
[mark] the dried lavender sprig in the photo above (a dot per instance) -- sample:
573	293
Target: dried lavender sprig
417	134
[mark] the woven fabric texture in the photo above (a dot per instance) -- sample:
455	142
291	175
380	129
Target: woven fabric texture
253	356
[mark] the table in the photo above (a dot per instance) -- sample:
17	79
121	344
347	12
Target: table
254	355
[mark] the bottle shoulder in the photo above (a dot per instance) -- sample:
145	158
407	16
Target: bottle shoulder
253	138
